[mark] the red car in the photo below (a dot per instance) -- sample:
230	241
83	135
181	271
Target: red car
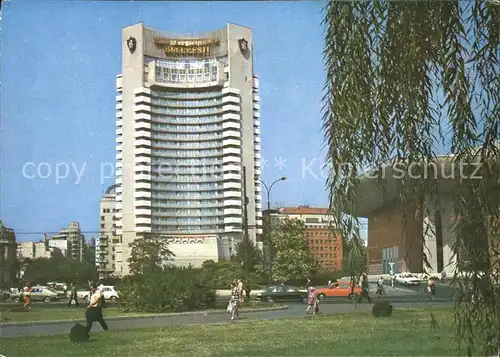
339	289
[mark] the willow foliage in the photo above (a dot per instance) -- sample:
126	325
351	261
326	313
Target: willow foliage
405	79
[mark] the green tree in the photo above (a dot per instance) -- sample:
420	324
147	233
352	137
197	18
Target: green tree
292	257
248	253
148	253
398	74
59	269
89	251
354	257
220	274
246	249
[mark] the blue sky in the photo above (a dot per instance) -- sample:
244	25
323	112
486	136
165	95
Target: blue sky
59	63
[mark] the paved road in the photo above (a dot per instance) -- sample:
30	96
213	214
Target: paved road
294	310
396	293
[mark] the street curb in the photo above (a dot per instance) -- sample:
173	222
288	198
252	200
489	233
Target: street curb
140	317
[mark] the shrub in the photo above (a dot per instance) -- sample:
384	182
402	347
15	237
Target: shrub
220	274
167	289
382	308
78	333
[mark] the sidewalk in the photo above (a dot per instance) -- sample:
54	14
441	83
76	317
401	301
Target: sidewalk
144	316
44	328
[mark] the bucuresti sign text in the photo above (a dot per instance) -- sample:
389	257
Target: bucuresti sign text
188	47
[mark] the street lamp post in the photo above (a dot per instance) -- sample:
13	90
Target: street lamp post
268	219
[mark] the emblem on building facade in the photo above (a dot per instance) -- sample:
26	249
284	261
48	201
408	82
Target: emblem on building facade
131	44
243	45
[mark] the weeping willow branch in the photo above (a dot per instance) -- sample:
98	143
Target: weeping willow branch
404	80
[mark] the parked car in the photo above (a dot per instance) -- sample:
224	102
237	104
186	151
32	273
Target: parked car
109	292
407	279
4	294
282	293
60	288
38	293
338	289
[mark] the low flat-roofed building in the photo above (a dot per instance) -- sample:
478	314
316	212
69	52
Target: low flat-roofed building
402	234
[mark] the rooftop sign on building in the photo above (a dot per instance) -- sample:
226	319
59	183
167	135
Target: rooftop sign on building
188	47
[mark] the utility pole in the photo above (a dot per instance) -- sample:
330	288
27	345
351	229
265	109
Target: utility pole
245	222
268	226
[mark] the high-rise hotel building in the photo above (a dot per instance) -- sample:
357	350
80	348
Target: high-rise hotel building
187	123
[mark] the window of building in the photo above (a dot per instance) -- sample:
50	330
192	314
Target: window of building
390	255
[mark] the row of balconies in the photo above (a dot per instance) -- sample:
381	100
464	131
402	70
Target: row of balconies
170	145
176	177
187	139
199	103
181	204
228	160
182	169
189	213
225	151
145	129
147	108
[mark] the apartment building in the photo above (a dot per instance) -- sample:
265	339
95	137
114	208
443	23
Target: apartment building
35	250
70	241
323	241
107	244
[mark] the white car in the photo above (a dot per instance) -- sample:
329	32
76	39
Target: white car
407	279
108	291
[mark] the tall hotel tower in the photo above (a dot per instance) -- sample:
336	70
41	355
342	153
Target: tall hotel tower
187	124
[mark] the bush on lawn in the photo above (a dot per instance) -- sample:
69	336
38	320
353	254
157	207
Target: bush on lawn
167	289
382	308
78	333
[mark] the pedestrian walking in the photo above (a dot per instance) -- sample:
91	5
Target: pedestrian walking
380	287
73	296
364	288
94	309
27	298
234	301
431	287
312	301
240	290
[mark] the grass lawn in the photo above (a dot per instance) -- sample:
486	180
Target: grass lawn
406	333
79	314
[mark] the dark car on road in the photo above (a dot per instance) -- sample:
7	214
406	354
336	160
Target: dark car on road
282	293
